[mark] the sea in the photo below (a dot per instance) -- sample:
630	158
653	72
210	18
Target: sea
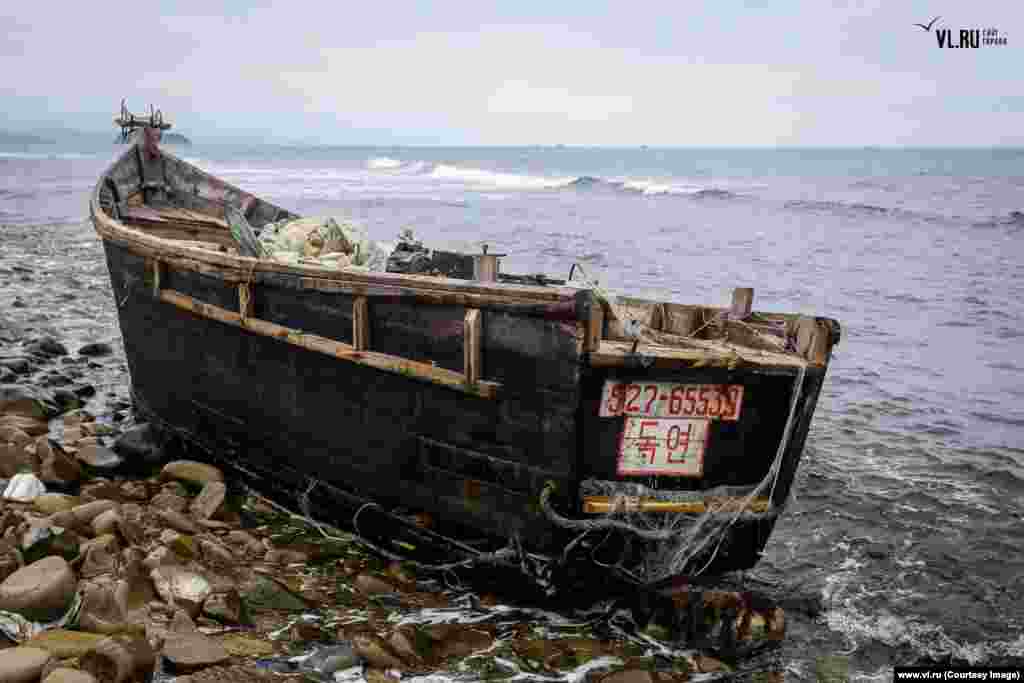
905	540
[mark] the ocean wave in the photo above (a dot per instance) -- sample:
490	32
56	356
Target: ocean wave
841	207
383	163
512	181
1013	220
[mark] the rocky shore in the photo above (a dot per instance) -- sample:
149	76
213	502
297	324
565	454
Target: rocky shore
122	561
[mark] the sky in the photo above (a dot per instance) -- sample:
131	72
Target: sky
521	73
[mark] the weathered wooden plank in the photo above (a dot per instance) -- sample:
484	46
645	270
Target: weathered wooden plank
245	302
594	328
742	303
360	324
604	504
380	361
473	333
158	270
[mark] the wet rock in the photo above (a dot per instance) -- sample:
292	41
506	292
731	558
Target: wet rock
14	459
209	500
879	551
463	643
135	490
26	402
96	349
182	545
371	585
140	446
43	538
46	347
23	664
375	652
169	501
49	503
247	646
629	676
190	651
285	556
42	591
107	522
100	459
18	366
191	472
65	644
55	466
30	425
707	664
86	512
177	521
160	557
214	554
243	543
227	608
24	488
84	391
264	593
14	436
403	644
326	660
66	400
100	556
120	659
10	559
102	612
181	588
65	675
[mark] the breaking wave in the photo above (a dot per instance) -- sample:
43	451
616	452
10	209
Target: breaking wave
510	181
383	163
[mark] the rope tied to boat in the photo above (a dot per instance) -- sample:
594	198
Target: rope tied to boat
685	536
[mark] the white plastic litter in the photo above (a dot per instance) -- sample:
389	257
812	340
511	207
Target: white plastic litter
24	487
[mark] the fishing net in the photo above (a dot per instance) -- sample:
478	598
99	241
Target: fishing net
675	543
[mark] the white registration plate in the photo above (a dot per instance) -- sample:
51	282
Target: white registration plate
667	399
672	447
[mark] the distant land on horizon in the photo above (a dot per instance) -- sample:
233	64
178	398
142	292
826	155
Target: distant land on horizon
41	135
57	136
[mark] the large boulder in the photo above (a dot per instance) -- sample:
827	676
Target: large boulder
55	466
191	472
120	659
141	447
96	349
23	664
209	500
65	675
42	591
181	588
46	347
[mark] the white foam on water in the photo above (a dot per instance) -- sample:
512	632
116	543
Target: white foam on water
511	181
655	187
379	163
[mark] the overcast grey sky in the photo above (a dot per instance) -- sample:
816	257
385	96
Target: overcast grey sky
523	72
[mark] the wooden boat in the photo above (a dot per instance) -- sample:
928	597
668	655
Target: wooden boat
531	425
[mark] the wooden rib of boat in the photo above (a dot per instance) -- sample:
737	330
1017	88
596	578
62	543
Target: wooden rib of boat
507	411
